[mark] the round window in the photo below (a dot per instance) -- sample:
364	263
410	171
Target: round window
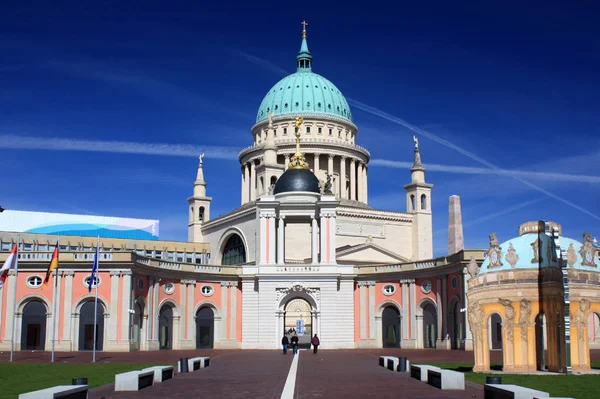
169	288
34	281
86	281
426	287
140	283
207	290
388	289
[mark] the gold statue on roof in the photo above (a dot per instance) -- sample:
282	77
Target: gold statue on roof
298	161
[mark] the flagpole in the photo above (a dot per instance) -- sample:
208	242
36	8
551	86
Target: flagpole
54	301
95	281
12	339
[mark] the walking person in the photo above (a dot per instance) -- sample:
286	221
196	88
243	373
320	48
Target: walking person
315	343
295	343
285	342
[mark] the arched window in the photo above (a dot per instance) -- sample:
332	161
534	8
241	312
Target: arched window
273	180
201	214
234	252
423	201
412	203
191	213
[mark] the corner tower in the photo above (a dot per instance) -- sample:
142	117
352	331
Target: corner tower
418	203
199	206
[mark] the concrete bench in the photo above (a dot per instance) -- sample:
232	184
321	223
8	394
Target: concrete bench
134	380
161	373
446	379
419	371
196	363
61	391
392	363
383	360
507	391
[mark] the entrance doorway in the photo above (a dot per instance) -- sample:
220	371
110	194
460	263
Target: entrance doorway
205	328
429	326
86	327
33	326
391	327
165	326
298	320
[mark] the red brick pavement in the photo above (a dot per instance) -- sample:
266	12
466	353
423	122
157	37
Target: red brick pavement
262	374
357	374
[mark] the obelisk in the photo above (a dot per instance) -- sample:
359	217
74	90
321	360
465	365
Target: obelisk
456	241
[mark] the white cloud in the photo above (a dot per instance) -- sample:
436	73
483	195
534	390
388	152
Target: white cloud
127	147
501	172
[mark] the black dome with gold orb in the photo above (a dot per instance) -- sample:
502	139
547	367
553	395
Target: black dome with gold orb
298	177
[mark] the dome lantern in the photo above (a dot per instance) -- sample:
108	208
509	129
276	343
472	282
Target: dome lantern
304	58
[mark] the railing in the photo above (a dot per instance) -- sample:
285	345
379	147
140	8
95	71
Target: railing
122	258
462	256
306	142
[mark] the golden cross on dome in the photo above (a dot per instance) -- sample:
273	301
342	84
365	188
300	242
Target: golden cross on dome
304	24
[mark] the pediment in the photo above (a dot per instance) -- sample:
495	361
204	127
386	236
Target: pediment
368	253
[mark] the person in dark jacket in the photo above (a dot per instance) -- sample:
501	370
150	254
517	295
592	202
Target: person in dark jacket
315	343
285	342
295	343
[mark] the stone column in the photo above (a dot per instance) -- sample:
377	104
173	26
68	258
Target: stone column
323	258
191	314
445	310
281	241
10	306
176	344
245	176
233	316
262	238
343	177
362	294
366	185
413	310
353	179
315	239
114	309
126	297
67	314
58	276
468	334
372	331
183	305
272	240
330	169
224	308
439	311
317	165
405	310
252	181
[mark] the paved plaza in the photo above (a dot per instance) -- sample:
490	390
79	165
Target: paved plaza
264	374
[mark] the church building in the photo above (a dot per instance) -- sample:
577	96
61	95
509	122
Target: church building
304	252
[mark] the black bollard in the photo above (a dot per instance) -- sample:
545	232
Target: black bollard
183	365
79	381
493	380
402	364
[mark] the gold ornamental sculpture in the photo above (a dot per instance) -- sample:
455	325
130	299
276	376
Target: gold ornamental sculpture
298	161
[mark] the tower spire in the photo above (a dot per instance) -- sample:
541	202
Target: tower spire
417	165
304	59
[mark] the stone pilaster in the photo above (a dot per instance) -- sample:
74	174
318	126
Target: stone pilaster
372	304
362	295
281	241
315	239
439	312
405	312
126	295
112	344
224	309
233	291
191	315
56	308
413	312
353	179
66	343
10	306
468	333
183	305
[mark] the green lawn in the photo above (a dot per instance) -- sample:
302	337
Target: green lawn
570	386
17	378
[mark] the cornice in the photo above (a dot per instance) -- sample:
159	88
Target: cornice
236	214
375	214
317	116
309	145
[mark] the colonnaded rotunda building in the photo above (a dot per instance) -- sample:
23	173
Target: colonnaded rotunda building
303	252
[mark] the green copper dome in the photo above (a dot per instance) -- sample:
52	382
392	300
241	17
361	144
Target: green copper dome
304	93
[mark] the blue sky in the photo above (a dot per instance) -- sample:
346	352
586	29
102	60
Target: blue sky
104	109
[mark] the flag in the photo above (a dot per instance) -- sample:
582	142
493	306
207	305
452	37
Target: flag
9	263
94	270
53	265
